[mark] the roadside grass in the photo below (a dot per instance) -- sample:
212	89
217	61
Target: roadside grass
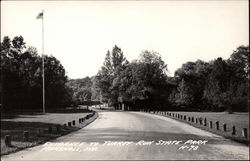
37	125
237	119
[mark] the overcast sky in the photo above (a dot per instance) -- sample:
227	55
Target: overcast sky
79	33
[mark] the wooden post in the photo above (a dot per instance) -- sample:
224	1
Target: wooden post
7	140
234	130
217	125
192	119
69	124
73	122
205	122
39	132
50	129
184	117
224	127
58	128
200	119
25	135
244	132
210	124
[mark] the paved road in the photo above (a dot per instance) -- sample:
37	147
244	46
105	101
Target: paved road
135	136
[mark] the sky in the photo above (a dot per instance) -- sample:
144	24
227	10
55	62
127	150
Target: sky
79	33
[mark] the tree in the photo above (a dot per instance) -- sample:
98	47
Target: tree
82	90
107	77
237	90
192	79
146	81
11	81
21	78
239	62
185	96
104	78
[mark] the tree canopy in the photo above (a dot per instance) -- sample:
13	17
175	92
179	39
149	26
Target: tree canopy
21	78
217	85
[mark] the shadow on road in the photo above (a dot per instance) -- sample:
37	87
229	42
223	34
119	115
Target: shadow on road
117	134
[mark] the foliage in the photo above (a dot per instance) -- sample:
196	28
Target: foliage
141	82
106	80
81	89
217	85
21	78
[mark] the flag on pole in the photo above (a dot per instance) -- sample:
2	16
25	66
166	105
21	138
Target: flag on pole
39	16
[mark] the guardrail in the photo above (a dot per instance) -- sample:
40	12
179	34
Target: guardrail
201	121
57	129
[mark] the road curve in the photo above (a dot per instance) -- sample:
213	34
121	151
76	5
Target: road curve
136	136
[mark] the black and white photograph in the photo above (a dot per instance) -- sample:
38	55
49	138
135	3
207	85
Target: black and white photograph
124	80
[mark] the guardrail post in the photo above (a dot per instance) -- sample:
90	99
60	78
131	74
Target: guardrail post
200	119
50	129
205	122
234	130
217	125
224	127
58	128
25	135
7	140
39	132
244	132
210	124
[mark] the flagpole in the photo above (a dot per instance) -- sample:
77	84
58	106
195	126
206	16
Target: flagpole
43	62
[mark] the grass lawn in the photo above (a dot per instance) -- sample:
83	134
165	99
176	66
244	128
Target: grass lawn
37	125
237	119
